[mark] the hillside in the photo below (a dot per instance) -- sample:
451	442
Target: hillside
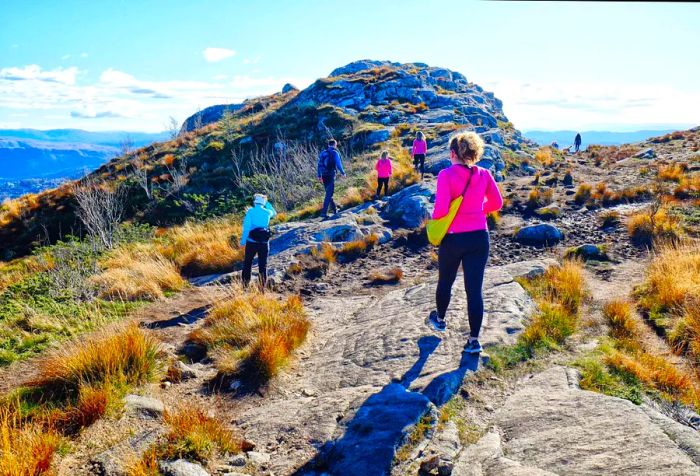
365	105
145	356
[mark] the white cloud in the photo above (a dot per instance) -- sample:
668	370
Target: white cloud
118	99
584	105
34	72
214	55
83	55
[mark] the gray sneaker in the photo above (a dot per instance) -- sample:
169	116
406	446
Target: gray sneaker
473	347
435	322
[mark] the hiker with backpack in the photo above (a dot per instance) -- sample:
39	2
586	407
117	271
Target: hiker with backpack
383	168
465	195
256	238
418	151
329	164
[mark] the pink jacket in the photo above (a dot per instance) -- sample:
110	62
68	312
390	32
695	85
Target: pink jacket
419	147
383	168
482	197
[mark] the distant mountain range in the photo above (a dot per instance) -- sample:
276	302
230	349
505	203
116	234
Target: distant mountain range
30	153
566	138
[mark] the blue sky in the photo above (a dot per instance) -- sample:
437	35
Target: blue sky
130	65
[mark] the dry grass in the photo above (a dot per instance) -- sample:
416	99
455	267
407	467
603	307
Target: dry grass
620	316
192	435
688	187
544	156
253	333
609	219
386	276
646	228
539	197
357	248
137	272
583	193
203	248
26	448
119	355
671	172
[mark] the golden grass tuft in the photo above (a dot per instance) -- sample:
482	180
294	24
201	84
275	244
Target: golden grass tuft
386	276
137	272
26	448
544	156
671	172
253	333
646	228
620	316
119	355
203	248
355	249
583	193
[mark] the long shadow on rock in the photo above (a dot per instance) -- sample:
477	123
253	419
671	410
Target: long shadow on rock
368	446
184	319
371	437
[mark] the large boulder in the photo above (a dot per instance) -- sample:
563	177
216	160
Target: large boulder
410	207
645	154
539	235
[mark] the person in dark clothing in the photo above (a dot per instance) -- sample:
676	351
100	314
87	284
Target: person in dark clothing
255	237
329	164
577	142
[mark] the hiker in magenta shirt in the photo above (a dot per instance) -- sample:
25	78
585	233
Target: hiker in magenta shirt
467	238
418	151
383	168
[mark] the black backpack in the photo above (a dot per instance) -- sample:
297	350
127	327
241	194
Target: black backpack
330	162
260	235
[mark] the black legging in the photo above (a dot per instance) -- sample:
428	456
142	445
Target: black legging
253	248
419	163
382	182
471	249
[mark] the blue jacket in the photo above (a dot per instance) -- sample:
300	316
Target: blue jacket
256	217
323	159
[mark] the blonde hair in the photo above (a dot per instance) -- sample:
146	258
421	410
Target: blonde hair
385	154
420	136
468	147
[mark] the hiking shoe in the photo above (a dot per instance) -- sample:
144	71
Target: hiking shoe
473	347
435	322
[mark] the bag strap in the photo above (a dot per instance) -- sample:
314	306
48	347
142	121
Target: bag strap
471	174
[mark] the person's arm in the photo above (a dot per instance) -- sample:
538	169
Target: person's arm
246	228
390	168
413	149
339	163
493	199
442	197
271	209
376	166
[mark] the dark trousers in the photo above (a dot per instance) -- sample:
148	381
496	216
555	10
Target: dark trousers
578	146
471	249
419	163
253	248
329	185
382	182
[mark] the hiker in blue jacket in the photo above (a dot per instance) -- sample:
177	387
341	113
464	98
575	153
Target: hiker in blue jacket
329	164
256	237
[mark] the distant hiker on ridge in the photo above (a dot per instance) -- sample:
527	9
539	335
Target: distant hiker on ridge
418	151
383	168
256	237
577	142
467	238
329	164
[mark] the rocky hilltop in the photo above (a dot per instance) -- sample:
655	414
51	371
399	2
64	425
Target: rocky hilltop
366	105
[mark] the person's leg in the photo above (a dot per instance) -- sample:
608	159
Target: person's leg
328	185
248	257
449	257
386	186
379	187
263	250
474	265
422	166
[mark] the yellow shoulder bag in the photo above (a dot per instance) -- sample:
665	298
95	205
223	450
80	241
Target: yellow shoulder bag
437	229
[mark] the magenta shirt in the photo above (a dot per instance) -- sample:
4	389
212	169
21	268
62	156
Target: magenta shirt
383	168
482	197
419	147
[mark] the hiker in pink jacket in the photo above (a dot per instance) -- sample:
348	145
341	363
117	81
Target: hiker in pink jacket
383	173
467	239
418	151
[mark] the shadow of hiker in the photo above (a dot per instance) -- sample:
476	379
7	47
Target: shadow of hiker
187	318
367	448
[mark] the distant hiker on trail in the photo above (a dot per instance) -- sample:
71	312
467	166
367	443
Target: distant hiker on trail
577	142
383	173
420	148
467	238
256	236
555	145
329	164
